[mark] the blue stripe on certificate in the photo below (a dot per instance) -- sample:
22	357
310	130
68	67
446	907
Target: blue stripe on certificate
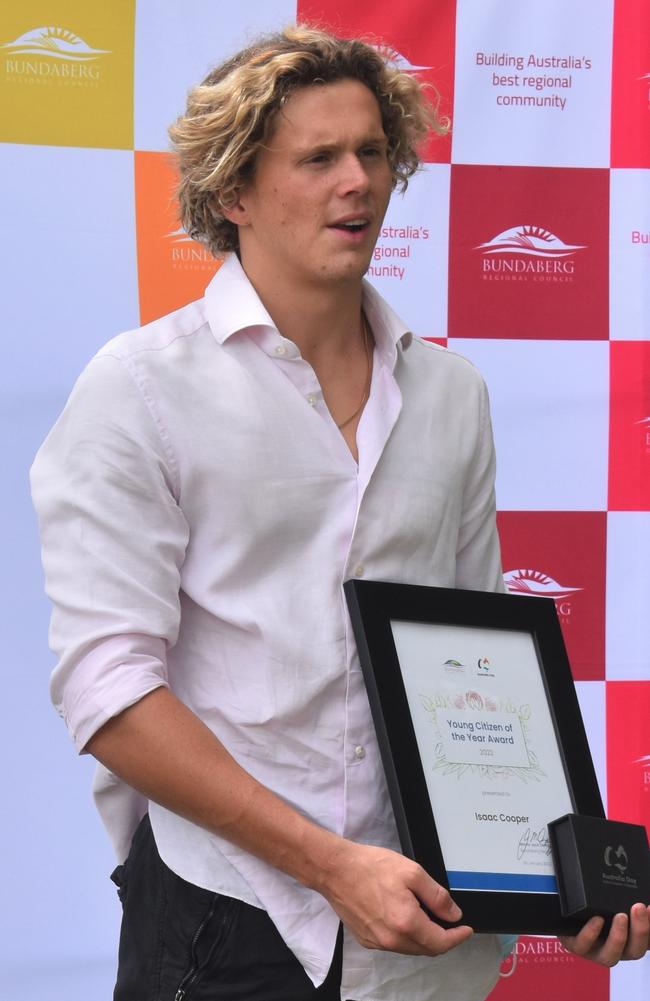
501	881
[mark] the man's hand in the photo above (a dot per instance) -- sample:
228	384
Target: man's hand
621	943
377	895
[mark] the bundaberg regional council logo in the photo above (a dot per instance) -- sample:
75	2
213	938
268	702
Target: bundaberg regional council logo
186	254
644	426
453	666
52	56
535	951
528	253
643	763
401	62
534	583
645	80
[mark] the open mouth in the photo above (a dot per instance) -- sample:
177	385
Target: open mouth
351	225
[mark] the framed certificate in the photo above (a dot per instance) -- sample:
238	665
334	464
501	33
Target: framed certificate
481	739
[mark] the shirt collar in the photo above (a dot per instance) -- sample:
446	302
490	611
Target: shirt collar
390	332
232	303
233	306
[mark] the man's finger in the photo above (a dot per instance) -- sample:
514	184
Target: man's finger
586	939
611	950
449	938
425	937
638	939
436	898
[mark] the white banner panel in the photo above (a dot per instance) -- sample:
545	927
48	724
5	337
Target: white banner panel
629	259
68	260
176	45
628	596
591	696
532	82
547	460
412	252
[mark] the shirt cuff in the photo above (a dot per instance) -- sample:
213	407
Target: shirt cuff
111	675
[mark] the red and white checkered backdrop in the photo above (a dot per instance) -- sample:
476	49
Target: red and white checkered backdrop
524	244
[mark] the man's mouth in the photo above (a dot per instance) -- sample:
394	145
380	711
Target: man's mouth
351	225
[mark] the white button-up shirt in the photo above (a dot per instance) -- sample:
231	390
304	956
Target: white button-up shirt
200	512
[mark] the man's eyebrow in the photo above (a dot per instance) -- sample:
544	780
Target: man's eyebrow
379	139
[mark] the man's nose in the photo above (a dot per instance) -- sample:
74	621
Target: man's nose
353	175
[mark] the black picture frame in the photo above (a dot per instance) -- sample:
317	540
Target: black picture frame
373	607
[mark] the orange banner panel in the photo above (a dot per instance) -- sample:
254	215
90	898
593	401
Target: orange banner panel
172	269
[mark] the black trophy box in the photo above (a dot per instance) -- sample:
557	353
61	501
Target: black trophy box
602	866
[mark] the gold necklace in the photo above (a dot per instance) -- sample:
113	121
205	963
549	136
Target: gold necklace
366	391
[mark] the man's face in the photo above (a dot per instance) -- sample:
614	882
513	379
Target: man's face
311	214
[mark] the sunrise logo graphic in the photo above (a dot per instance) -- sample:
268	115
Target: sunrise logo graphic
509	965
535	583
184	251
645	79
533	241
178	236
644	764
400	62
53	43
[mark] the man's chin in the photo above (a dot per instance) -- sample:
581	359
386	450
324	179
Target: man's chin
354	270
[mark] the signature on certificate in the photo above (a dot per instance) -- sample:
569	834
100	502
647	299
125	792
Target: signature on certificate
532	842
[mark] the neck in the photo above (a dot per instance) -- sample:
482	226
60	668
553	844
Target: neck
322	320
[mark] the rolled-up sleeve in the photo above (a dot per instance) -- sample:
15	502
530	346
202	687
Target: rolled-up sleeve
113	543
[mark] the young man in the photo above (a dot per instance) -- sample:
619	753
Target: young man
214	479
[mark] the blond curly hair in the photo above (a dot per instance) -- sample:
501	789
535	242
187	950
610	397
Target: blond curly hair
230	116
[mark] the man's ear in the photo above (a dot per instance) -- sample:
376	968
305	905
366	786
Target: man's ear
237	212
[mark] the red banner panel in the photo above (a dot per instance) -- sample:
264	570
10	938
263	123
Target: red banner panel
629	428
628	751
528	255
423	36
561	555
631	84
541	969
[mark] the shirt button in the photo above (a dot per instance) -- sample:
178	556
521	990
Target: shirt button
311	400
359	752
359	570
280	350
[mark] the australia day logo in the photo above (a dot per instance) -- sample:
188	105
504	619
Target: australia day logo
616	859
528	253
484	668
534	583
50	55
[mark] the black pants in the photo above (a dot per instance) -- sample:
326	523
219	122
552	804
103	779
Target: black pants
180	942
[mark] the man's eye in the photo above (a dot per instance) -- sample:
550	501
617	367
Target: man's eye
319	158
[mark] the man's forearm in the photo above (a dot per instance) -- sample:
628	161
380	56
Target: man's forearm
164	751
